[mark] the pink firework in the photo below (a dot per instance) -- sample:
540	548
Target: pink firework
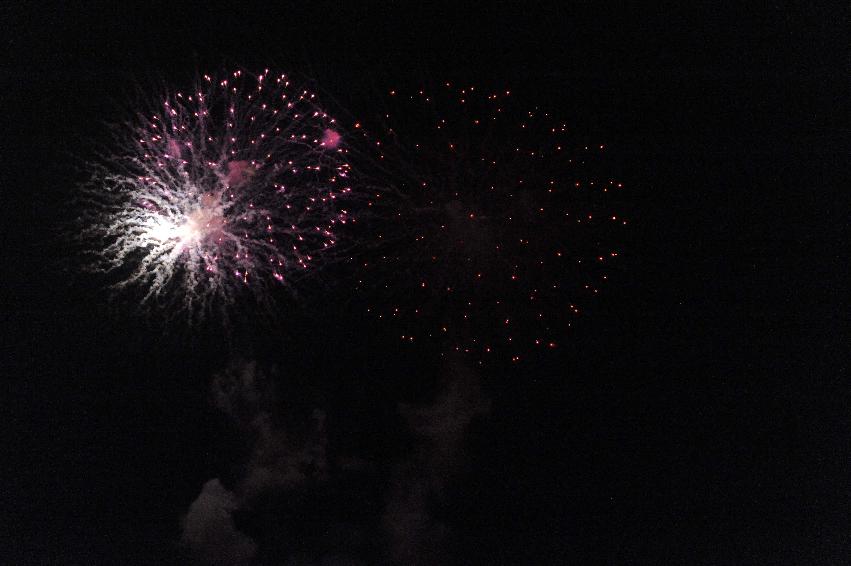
239	185
503	225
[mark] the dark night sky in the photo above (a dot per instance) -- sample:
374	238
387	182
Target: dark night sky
700	416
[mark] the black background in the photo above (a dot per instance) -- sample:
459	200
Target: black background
699	417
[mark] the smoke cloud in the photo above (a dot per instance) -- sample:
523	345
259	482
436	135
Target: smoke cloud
284	465
278	461
415	536
209	530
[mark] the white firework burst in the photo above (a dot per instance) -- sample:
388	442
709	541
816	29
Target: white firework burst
236	187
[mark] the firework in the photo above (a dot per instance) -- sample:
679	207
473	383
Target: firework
235	187
500	225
